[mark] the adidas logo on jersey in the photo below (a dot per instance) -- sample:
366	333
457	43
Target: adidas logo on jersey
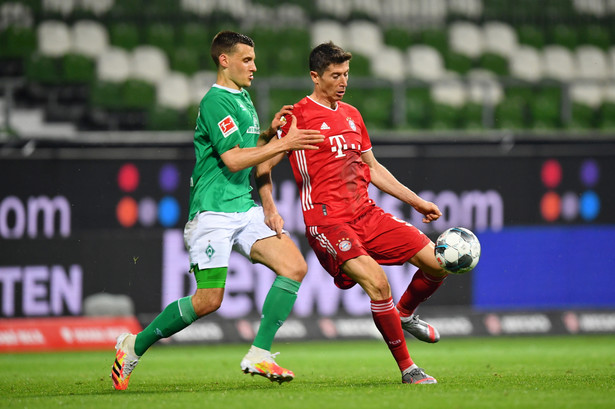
324	126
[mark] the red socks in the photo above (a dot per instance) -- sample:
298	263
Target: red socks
420	288
388	323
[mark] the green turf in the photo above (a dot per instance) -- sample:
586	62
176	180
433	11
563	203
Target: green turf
546	372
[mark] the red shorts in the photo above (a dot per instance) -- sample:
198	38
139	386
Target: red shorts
380	235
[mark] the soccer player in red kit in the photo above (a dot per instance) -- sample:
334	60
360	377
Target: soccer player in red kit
352	236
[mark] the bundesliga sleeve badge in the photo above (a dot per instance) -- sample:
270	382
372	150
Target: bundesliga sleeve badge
227	126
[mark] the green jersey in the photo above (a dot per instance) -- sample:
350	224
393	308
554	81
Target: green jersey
227	118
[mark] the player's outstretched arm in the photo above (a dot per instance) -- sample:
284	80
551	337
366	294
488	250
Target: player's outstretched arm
385	181
238	158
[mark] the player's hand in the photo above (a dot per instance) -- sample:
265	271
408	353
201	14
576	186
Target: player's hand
299	139
279	119
275	222
429	210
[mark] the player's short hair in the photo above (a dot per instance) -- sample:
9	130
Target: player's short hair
224	43
326	54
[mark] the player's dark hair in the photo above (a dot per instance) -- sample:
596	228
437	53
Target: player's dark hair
326	54
224	43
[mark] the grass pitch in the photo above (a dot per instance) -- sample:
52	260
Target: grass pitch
524	372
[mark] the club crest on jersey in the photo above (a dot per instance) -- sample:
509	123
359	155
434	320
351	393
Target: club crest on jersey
344	244
227	126
351	123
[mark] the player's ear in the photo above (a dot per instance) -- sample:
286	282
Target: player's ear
315	77
223	60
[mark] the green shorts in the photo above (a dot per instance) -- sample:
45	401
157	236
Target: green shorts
210	277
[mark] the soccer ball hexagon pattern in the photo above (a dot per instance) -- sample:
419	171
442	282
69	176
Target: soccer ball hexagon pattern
457	250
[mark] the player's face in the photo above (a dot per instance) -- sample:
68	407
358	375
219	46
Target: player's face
241	66
331	86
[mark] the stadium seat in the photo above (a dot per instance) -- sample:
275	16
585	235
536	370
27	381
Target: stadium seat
591	63
165	119
113	65
185	60
596	35
54	39
125	35
323	31
149	63
160	35
484	88
510	114
418	104
138	94
471	116
457	62
399	37
472	9
43	69
375	105
388	64
78	68
526	64
364	37
106	95
97	8
173	92
466	38
499	38
424	63
544	109
18	42
495	63
607	116
448	97
531	35
564	35
89	38
586	100
436	38
200	82
558	63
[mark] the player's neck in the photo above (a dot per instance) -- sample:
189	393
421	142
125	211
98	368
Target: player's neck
323	100
226	82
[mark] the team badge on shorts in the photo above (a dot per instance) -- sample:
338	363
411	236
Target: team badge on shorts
344	244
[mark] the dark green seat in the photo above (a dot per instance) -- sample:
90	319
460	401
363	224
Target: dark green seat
138	94
124	35
418	107
531	35
77	68
165	119
162	36
494	63
106	95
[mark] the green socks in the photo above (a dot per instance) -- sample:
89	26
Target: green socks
179	314
277	307
175	317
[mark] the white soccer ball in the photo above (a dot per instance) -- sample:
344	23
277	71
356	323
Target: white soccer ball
457	250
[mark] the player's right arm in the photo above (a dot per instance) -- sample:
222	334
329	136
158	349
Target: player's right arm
238	158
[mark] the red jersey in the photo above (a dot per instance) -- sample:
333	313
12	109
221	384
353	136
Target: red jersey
332	180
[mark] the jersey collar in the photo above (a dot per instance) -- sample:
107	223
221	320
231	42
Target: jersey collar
231	90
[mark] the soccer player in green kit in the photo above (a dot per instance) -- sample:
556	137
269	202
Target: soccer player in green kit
223	216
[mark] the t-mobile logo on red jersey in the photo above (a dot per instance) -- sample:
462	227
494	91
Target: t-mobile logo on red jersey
338	144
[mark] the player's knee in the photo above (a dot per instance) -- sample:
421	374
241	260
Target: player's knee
296	270
204	306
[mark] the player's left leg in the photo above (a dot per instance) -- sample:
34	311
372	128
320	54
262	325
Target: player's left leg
428	278
282	256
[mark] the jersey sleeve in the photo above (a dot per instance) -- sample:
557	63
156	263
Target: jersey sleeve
220	123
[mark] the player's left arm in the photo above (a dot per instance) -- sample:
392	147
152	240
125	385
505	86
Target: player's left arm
385	181
264	186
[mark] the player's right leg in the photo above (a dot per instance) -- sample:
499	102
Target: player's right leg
281	255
